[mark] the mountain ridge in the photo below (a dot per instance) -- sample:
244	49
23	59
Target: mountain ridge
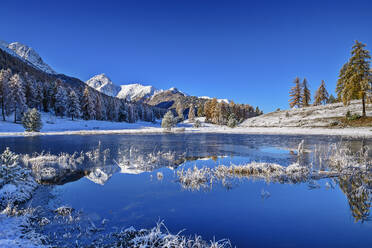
28	54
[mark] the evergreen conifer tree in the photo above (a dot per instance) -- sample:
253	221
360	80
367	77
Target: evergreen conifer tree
30	91
39	95
233	122
192	113
306	95
296	94
331	99
168	121
31	120
4	90
17	96
180	109
73	105
88	105
321	95
354	79
60	101
123	113
200	110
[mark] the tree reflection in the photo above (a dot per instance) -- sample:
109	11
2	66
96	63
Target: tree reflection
357	189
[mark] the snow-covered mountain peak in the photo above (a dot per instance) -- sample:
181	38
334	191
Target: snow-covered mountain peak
135	92
103	84
175	90
29	54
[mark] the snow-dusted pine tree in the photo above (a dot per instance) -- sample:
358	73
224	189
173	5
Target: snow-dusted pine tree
4	90
30	91
39	95
168	121
17	97
60	101
98	106
31	120
73	105
296	94
321	95
123	113
331	99
180	108
88	105
306	94
233	122
192	113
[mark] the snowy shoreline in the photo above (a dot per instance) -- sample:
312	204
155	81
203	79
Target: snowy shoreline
349	132
64	126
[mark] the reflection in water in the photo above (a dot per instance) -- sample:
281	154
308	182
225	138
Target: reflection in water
346	163
139	188
357	188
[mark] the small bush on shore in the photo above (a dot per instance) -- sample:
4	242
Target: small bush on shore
32	121
168	121
197	124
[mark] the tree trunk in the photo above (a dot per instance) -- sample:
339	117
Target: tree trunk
2	109
15	114
364	105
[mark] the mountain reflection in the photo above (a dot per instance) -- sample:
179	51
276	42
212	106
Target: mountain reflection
348	163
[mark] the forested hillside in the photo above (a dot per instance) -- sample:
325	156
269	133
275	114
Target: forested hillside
22	86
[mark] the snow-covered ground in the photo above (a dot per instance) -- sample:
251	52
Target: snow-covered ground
64	126
52	123
314	116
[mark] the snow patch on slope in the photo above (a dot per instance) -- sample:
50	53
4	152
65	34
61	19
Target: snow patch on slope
218	100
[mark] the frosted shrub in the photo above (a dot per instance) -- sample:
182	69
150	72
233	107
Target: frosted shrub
8	158
159	236
232	122
197	124
16	183
195	179
168	121
32	121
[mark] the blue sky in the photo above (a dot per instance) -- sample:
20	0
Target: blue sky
248	51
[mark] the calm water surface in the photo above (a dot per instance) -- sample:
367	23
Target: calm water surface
293	215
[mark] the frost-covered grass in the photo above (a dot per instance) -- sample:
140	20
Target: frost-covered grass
159	236
201	178
332	161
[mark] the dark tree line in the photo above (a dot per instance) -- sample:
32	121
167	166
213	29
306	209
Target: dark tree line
18	93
